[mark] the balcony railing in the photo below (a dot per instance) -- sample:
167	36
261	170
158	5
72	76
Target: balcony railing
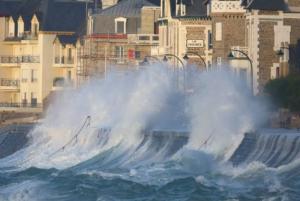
9	83
19	59
143	38
30	59
21	105
10	59
30	36
27	35
64	60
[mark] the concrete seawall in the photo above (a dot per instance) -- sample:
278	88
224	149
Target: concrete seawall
273	147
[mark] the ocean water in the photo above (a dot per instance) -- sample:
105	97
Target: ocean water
150	134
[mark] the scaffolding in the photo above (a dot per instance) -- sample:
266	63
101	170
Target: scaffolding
123	51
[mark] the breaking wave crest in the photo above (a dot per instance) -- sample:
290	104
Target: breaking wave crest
150	134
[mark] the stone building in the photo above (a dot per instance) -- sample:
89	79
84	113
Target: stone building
273	33
120	36
38	45
228	28
184	27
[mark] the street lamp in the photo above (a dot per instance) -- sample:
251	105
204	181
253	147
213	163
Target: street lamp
165	59
280	53
186	57
146	59
231	56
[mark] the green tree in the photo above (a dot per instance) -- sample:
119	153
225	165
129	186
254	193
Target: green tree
285	92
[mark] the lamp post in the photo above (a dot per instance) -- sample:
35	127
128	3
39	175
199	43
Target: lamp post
165	59
186	57
231	56
146	59
280	53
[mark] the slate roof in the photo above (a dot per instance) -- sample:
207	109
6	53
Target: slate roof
53	15
8	8
127	8
272	5
67	39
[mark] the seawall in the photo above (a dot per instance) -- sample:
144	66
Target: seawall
273	147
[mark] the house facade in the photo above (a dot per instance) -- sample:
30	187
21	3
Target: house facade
120	36
185	28
38	42
273	34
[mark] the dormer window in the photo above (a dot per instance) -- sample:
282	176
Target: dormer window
180	8
20	27
11	27
120	25
34	26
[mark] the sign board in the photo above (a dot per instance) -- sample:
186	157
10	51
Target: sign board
195	43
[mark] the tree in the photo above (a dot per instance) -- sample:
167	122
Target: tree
285	92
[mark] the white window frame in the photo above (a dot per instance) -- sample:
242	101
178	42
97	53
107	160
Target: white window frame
219	31
35	24
120	19
120	54
20	27
11	27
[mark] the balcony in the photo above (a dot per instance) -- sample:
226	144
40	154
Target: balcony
21	107
64	62
151	39
15	61
30	59
10	61
227	7
9	84
23	37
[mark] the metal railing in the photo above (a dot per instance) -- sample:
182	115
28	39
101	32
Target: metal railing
10	59
19	59
143	38
64	60
30	59
21	105
9	82
27	35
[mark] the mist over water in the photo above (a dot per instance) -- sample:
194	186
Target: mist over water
153	135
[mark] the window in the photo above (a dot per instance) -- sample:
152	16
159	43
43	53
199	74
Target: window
144	37
11	27
33	99
20	27
120	25
35	28
25	75
69	54
24	100
119	52
209	40
218	31
33	75
69	75
137	54
219	61
277	72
